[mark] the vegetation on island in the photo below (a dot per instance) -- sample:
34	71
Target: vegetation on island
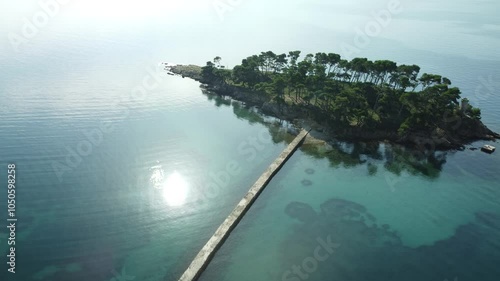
355	95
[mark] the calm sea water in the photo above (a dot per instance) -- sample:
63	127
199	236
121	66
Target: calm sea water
114	182
142	195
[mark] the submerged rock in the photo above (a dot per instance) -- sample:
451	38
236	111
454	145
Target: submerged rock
340	208
309	171
306	182
301	211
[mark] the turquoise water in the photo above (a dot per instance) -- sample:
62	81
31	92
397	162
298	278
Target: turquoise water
438	226
116	183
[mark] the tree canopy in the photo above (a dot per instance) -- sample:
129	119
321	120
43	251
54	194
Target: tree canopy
358	93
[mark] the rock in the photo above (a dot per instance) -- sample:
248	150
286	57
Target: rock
313	141
301	211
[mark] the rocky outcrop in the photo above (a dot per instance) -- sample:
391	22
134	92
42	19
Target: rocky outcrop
191	71
238	93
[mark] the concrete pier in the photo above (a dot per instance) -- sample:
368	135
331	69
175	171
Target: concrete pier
206	254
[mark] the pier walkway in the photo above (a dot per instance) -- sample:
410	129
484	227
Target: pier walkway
203	258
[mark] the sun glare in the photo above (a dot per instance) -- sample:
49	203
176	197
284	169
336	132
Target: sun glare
175	189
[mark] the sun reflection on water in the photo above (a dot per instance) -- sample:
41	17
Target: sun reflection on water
174	188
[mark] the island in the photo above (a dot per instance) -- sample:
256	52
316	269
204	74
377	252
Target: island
353	100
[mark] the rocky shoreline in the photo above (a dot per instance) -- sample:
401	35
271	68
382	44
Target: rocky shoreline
458	134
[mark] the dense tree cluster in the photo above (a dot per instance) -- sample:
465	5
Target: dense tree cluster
358	93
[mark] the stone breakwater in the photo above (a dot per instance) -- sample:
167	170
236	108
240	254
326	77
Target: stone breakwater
206	254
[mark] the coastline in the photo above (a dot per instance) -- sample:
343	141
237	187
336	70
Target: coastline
465	130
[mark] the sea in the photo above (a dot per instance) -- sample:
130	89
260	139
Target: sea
124	172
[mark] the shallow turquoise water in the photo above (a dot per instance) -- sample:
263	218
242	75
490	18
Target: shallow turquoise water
436	226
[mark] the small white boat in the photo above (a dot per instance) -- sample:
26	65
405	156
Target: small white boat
488	148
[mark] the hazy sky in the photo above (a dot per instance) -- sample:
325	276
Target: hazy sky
234	28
